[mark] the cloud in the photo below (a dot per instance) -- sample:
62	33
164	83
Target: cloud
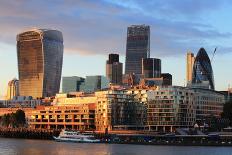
99	27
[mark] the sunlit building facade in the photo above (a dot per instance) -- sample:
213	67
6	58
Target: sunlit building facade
40	58
189	66
170	107
12	89
118	110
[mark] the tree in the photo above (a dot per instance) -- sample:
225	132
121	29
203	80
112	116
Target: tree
20	117
16	119
227	111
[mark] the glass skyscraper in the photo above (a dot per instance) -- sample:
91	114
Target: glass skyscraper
137	47
202	71
151	68
71	83
114	69
40	58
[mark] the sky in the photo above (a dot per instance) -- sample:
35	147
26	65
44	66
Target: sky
94	28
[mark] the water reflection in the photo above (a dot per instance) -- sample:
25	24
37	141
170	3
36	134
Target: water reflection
38	147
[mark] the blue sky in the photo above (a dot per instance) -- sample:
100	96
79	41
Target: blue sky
94	28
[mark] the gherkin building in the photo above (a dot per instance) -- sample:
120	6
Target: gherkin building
202	70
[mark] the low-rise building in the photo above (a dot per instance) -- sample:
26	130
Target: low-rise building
79	117
209	103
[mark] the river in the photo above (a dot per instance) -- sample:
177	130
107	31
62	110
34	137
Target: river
46	147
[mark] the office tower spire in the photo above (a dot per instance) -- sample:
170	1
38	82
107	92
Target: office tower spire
40	58
137	47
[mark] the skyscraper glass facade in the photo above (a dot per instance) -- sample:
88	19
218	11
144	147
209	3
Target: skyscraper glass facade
71	83
137	47
151	68
40	58
202	70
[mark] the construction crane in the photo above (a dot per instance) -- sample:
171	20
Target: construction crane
213	54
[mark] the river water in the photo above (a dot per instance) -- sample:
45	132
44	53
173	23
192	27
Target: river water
46	147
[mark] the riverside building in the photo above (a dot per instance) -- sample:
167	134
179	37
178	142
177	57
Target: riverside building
170	107
40	58
79	117
117	110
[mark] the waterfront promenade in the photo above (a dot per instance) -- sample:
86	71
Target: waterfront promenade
125	138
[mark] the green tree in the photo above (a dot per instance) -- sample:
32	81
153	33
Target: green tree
20	118
227	111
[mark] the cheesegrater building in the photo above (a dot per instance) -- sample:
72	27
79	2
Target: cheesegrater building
40	58
137	47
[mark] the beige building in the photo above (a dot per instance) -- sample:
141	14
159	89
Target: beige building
170	107
117	110
79	117
190	62
12	89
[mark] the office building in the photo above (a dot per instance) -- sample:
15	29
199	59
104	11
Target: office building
209	103
169	108
118	110
189	66
167	79
137	47
77	117
151	68
202	71
12	89
94	83
71	83
40	58
114	69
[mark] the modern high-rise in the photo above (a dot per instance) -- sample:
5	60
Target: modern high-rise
190	62
71	83
167	79
202	71
137	48
94	83
12	89
114	69
151	68
40	58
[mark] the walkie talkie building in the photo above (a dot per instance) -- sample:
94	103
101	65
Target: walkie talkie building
40	58
137	48
202	70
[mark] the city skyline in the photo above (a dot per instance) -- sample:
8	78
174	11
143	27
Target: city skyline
170	39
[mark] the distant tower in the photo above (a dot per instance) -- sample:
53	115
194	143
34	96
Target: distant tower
190	62
137	47
202	71
151	68
40	58
167	79
12	89
114	69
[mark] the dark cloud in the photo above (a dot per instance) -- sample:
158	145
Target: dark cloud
99	27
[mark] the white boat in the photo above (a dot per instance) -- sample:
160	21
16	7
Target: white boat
76	136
